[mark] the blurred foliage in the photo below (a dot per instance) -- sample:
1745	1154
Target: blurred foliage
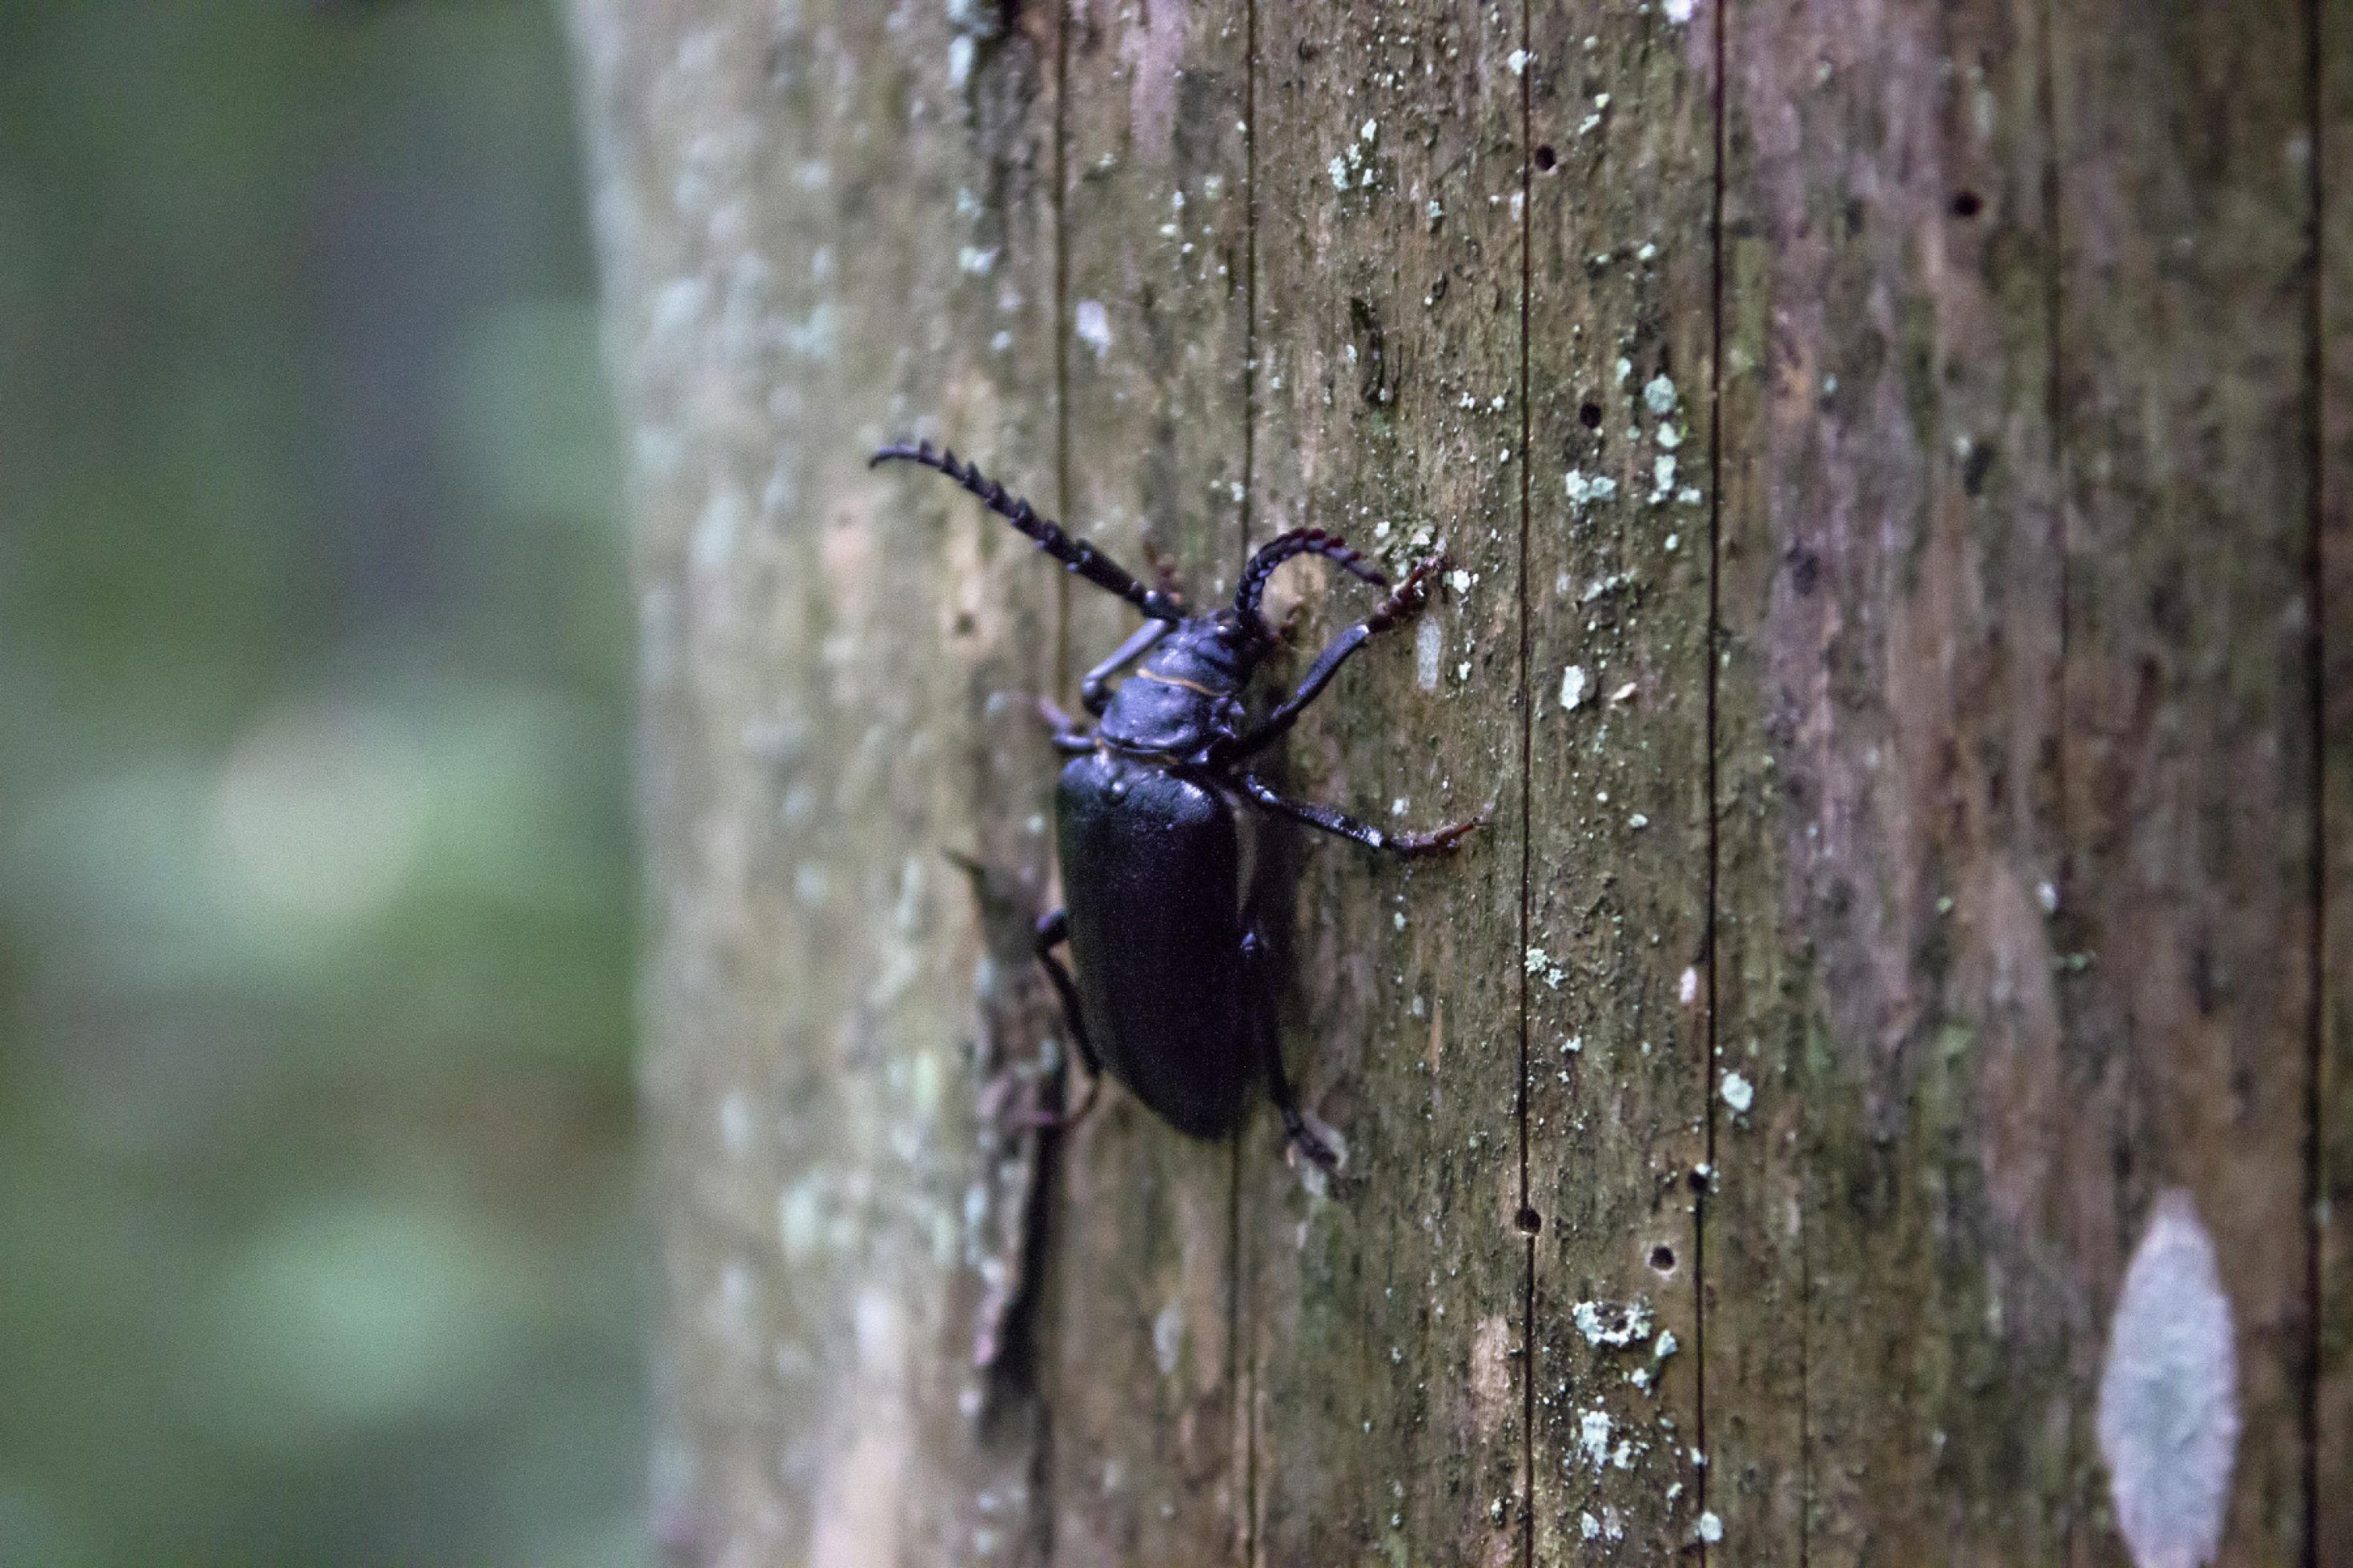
318	1239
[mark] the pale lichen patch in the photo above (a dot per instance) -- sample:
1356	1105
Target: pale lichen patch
1612	1324
1092	323
1168	1337
1593	1436
1585	489
2169	1419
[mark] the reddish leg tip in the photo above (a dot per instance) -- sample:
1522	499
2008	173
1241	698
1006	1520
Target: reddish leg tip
1439	841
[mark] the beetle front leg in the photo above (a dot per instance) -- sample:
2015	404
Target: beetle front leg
1295	1131
1063	730
1053	931
1094	689
1411	595
1435	842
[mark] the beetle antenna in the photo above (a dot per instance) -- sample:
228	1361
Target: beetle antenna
1075	553
1282	548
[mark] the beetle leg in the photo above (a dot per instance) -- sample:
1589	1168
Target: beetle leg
1052	932
1333	821
1063	730
1092	691
1398	607
1295	1131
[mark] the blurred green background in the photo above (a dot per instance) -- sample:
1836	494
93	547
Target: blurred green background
318	1232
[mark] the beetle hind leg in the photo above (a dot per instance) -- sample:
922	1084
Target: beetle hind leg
1296	1132
1053	931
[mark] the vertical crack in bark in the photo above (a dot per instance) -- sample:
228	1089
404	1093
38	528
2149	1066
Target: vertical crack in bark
1239	1388
2053	414
1062	342
1250	276
1714	802
1243	1364
1528	788
1042	1451
2315	632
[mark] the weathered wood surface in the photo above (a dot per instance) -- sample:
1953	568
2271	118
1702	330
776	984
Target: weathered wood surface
1620	368
1386	1318
1895	461
1887	1301
2187	762
823	649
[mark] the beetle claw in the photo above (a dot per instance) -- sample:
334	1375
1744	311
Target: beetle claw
1411	595
1306	1143
1308	1137
1438	841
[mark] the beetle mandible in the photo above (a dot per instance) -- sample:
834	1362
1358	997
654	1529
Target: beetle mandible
1171	997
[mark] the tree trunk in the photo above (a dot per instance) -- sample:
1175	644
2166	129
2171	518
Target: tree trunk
1877	1089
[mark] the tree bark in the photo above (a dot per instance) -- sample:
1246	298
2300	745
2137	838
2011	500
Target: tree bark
1897	464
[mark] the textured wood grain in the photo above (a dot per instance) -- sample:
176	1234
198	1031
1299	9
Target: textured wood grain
1927	862
1621	321
1889	1314
1387	1318
2186	906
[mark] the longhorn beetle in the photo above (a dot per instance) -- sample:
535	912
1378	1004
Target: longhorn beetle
1171	995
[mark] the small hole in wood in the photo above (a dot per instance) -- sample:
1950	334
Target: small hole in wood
1590	417
1966	205
1662	1258
1530	1222
1545	159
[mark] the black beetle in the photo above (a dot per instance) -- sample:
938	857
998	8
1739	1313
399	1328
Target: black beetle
1170	997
